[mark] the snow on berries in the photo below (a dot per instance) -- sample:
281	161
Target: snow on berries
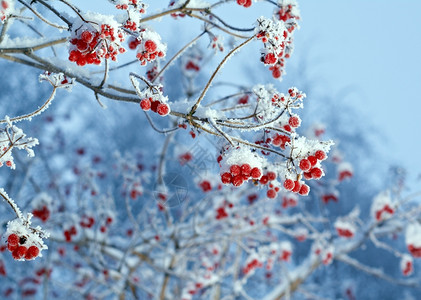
41	206
23	241
413	239
345	171
345	229
6	9
97	38
382	207
277	38
152	98
407	265
148	45
287	10
240	164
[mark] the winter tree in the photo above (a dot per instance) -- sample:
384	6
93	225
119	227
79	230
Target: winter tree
155	175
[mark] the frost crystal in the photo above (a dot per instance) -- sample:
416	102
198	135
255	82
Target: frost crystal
13	137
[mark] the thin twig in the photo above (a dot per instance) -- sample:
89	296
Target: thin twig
202	95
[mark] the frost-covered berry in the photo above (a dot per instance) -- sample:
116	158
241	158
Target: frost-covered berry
163	109
145	104
13	239
316	173
271	175
294	121
235	170
246	169
32	252
270	59
320	155
313	160
304	190
305	164
19	252
226	178
150	46
256	173
297	186
289	184
237	180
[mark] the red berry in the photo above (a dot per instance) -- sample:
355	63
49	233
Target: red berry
145	104
305	164
288	184
13	239
86	36
271	176
32	252
307	175
226	178
256	173
264	179
154	105
248	3
150	46
271	194
163	109
316	173
237	180
270	59
294	121
4	5
297	186
11	248
320	155
235	170
313	160
19	252
245	170
304	190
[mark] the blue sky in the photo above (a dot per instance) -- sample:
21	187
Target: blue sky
375	47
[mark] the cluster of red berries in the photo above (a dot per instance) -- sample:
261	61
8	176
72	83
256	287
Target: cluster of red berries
16	245
280	140
239	173
296	186
150	52
253	264
277	68
91	46
285	13
157	106
386	209
308	165
245	3
69	233
42	213
141	8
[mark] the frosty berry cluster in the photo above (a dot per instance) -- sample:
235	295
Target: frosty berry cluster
24	242
153	99
91	42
